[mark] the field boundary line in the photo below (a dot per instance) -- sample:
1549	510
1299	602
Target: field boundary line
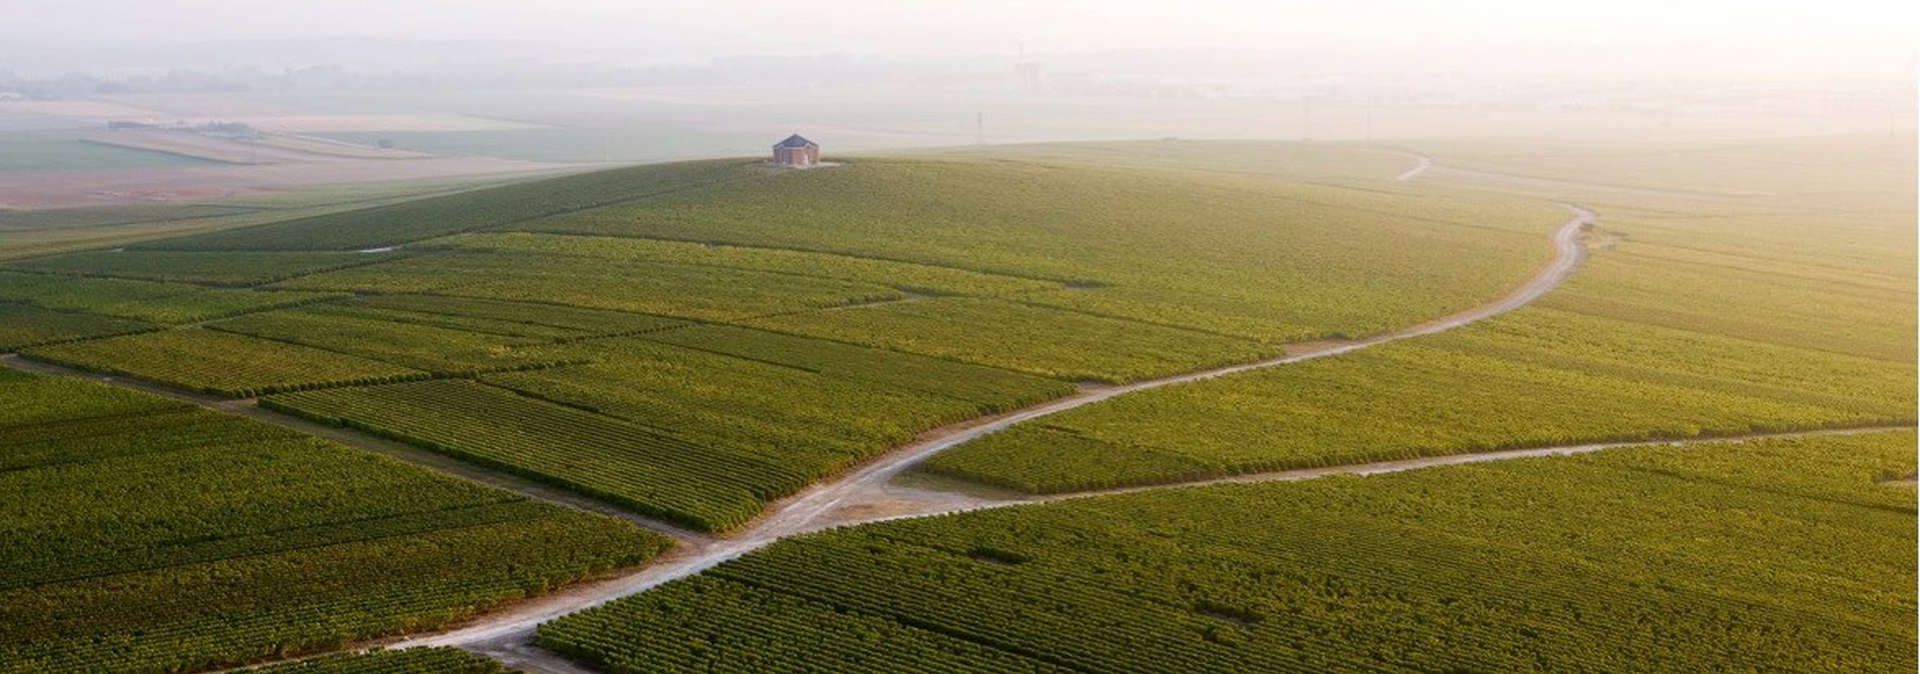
1465	458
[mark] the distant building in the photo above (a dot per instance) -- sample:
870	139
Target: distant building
796	152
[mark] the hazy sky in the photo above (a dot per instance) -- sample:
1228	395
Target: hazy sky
1814	36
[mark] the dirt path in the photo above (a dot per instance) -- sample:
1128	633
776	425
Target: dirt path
1403	465
869	493
1421	164
902	503
508	638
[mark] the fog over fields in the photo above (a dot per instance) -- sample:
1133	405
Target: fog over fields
879	336
614	81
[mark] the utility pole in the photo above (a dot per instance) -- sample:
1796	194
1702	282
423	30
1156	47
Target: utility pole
979	128
1306	118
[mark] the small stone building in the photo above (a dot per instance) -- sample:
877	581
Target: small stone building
796	152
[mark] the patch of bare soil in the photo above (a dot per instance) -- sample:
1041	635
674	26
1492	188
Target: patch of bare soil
1907	480
191	144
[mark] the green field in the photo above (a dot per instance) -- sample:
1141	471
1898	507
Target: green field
144	535
509	318
1776	555
693	342
1298	260
919	278
817	406
607	314
708	487
214	268
376	335
701	425
220	362
692	291
24	326
1539	377
1723	311
1088	269
1039	340
143	300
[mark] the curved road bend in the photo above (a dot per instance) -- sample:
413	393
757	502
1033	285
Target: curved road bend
507	634
1421	164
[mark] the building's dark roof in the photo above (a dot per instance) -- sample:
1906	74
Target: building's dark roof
795	141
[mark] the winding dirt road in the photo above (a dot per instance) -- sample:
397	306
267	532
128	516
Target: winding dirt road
1421	164
868	494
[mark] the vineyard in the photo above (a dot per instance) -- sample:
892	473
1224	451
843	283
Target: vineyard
1694	316
701	425
709	487
437	216
1037	340
1644	282
512	318
142	300
546	329
814	406
1538	377
146	535
702	292
694	342
214	268
224	363
1097	275
1298	260
430	348
24	326
1722	557
920	278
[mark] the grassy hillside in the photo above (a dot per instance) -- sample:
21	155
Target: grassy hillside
1718	311
745	331
1275	260
1777	555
